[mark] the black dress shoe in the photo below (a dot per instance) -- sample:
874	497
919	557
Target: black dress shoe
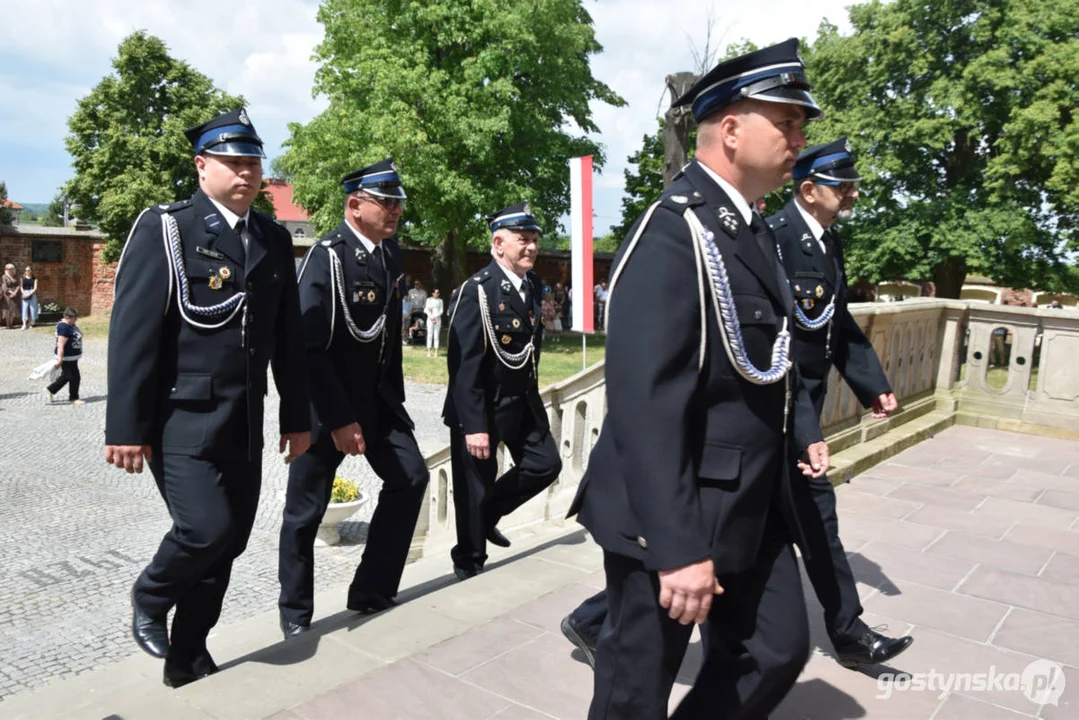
464	573
291	629
152	635
369	602
495	537
871	648
583	640
178	674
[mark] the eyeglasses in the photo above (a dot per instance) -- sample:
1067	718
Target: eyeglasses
385	203
847	188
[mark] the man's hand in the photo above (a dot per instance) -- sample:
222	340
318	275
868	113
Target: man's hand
128	457
884	405
349	439
479	445
296	443
59	362
687	591
818	460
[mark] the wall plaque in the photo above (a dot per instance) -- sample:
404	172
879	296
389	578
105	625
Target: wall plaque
46	251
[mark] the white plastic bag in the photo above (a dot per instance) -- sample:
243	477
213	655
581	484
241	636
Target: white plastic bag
47	370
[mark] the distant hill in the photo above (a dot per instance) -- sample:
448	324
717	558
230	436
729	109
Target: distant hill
35	208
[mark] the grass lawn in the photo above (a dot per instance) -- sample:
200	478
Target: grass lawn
561	356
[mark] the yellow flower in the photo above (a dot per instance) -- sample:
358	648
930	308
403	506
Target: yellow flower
344	490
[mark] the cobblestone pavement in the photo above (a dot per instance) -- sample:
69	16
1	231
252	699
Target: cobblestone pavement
75	532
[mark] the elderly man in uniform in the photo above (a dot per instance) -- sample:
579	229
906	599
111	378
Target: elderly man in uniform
825	334
687	489
350	298
493	397
205	300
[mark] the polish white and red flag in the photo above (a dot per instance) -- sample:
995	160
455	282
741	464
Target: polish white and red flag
580	220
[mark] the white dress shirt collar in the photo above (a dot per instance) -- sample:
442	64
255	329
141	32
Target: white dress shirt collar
368	245
517	280
740	203
814	227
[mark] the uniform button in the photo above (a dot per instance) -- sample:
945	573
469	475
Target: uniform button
251	350
642	542
757	314
250	285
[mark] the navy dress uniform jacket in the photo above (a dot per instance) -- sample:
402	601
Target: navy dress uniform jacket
808	269
343	385
479	383
690	462
190	391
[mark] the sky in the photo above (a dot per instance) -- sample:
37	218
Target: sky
52	52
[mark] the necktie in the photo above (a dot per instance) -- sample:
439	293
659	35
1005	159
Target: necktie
828	238
378	267
765	239
241	232
526	293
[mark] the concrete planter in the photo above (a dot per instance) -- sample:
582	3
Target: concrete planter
336	513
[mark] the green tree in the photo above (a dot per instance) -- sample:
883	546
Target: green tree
54	216
6	215
481	103
963	116
126	136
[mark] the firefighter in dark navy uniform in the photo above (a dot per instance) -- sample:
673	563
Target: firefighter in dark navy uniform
495	335
350	297
205	300
687	489
825	188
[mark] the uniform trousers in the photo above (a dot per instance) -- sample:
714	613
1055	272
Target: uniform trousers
393	454
213	505
826	560
757	644
480	500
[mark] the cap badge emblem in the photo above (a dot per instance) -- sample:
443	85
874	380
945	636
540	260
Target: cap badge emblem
846	146
242	117
528	208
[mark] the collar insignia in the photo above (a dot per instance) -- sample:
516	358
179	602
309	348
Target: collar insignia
728	220
506	287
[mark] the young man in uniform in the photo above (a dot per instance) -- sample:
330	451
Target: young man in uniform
205	301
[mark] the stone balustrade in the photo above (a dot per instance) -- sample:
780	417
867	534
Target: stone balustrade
962	360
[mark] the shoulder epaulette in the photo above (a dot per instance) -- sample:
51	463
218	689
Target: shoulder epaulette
334	238
679	198
481	276
778	220
170	207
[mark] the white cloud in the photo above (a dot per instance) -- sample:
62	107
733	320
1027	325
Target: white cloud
53	51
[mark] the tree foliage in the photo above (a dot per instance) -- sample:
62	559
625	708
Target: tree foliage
962	114
54	215
6	215
481	103
126	137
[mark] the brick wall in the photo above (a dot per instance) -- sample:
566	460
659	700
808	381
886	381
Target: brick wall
67	282
101	288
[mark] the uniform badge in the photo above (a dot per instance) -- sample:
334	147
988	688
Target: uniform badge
209	253
213	223
502	306
506	287
506	339
728	220
808	304
242	117
371	296
797	287
819	291
215	282
225	272
359	256
528	208
516	323
680	199
847	147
